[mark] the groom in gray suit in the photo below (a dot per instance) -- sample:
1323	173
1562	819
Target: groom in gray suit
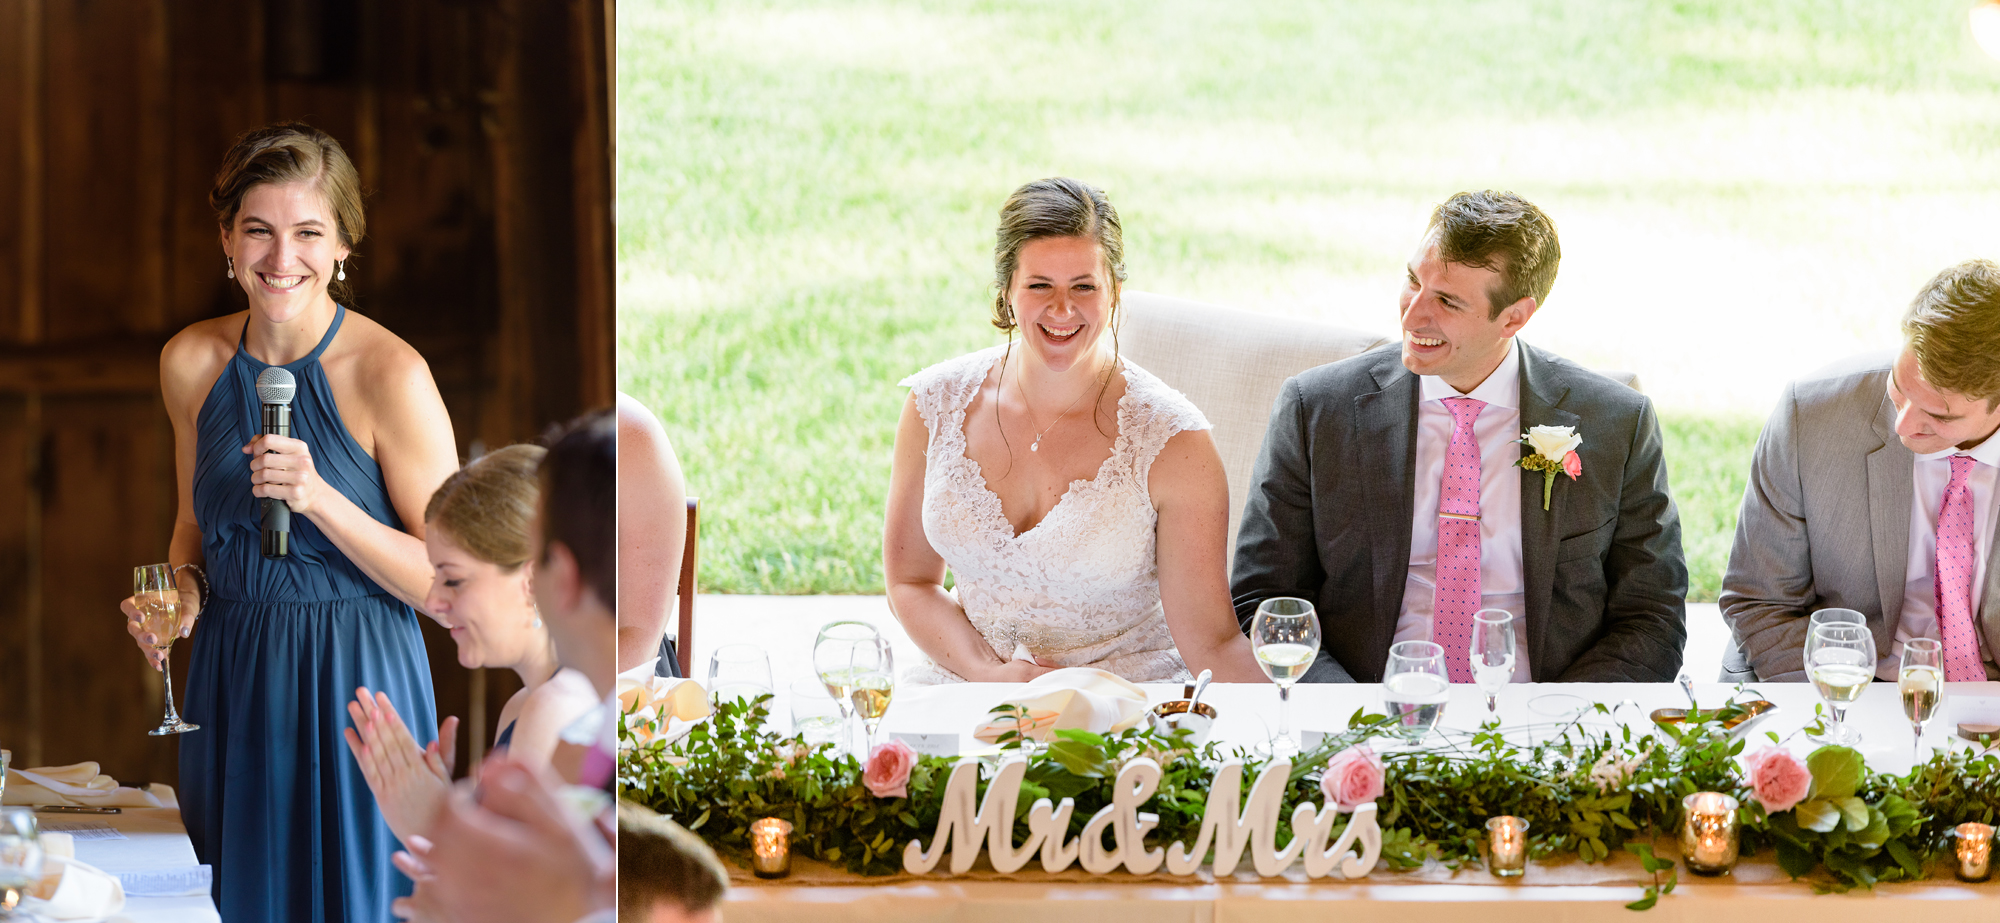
1394	491
1873	489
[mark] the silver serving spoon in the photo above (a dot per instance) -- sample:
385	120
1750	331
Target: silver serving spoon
1200	685
1687	689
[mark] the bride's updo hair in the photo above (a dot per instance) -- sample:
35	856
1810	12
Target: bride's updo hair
286	153
1055	207
487	505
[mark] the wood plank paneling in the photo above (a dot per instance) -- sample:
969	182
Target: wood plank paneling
218	50
17	43
18	445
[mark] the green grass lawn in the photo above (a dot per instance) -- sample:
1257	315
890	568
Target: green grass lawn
807	190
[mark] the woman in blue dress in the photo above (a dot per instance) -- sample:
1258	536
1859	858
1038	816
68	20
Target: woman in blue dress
268	793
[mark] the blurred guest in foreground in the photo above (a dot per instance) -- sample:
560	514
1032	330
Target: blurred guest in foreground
665	873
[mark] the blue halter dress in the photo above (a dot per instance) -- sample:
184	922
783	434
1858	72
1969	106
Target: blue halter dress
271	796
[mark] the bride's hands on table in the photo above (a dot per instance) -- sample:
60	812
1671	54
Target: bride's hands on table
410	782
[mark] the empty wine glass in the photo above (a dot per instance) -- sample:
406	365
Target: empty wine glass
874	686
1492	654
815	716
1840	657
1415	688
20	855
1920	680
738	671
1284	635
158	600
834	661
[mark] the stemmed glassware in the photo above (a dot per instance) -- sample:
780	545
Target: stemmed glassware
1415	688
1840	657
738	671
834	659
1492	654
20	856
158	600
1921	682
874	687
1285	637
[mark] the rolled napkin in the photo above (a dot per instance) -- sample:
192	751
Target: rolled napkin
656	706
77	784
1076	697
72	890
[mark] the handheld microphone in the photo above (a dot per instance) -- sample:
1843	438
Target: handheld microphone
275	388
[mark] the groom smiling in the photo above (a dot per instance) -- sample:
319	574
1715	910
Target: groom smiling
1396	493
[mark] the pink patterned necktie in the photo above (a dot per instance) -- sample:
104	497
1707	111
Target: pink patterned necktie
1955	555
1457	575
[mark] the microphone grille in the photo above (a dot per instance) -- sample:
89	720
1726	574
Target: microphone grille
276	386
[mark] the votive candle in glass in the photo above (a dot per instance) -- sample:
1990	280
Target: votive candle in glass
1506	846
1710	838
771	848
1975	851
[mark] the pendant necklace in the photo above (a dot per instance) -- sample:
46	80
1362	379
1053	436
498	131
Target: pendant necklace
1036	446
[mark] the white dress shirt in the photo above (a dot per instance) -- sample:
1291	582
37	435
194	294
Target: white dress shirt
1928	479
1498	430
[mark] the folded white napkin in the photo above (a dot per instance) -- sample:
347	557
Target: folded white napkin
1075	697
72	890
81	784
660	706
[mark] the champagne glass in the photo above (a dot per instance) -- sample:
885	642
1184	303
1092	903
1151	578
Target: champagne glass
1284	635
738	671
1921	682
20	856
833	660
158	600
1840	656
874	686
1492	654
1415	687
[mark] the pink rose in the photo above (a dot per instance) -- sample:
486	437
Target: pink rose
1573	466
1779	779
1353	777
888	772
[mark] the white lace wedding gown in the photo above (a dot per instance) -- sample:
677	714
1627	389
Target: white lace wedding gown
1081	588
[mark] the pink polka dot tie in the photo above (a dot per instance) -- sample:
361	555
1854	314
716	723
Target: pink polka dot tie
1457	574
1955	551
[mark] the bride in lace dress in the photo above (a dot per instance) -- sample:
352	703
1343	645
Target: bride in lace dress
1077	500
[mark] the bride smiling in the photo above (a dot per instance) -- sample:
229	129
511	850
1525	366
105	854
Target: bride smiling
1077	500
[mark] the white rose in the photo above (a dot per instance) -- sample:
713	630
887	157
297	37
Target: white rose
1554	442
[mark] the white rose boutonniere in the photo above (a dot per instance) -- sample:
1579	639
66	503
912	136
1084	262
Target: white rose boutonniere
1555	450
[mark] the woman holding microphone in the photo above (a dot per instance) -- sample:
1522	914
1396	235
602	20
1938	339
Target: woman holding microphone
269	796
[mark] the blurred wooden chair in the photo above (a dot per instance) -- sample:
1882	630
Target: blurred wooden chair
684	640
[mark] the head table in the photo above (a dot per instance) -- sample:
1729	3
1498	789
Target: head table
1558	890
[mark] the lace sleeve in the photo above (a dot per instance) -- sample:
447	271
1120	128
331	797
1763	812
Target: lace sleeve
943	391
1157	414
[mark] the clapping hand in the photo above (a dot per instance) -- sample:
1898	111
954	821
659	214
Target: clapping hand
410	782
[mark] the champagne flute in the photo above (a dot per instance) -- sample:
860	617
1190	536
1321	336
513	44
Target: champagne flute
1841	659
833	660
1415	688
738	671
20	856
1284	635
158	600
1492	654
874	686
1921	682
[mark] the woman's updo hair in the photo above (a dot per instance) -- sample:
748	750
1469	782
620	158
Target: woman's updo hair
293	152
487	505
1055	207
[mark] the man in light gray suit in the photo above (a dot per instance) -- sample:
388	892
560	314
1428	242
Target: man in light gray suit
1391	492
1873	489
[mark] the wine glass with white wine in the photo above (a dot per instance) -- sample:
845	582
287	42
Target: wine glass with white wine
874	686
1284	635
1492	654
833	660
1921	683
1415	688
1840	657
158	600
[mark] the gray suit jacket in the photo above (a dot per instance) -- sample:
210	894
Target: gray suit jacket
1825	524
1330	505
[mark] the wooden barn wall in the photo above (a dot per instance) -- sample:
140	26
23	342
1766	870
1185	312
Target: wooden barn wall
481	131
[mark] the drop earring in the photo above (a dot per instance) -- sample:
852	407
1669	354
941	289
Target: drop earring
232	266
537	622
340	270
